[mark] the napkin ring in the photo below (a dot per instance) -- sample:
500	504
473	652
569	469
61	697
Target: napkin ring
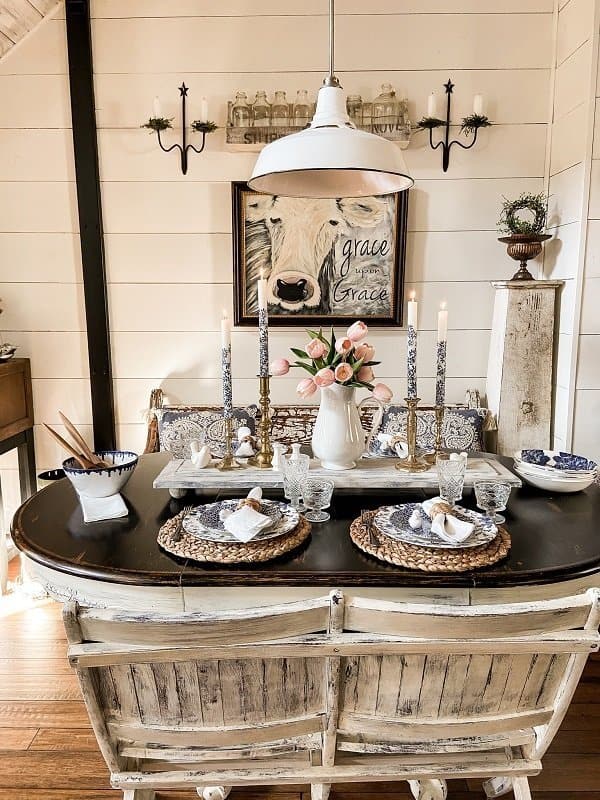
249	501
439	508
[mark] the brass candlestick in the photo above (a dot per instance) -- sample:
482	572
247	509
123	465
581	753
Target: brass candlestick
228	462
264	458
412	463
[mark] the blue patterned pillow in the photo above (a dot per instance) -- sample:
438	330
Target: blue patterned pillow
177	427
462	428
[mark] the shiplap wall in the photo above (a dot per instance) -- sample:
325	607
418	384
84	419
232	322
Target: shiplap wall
40	258
572	254
586	426
168	237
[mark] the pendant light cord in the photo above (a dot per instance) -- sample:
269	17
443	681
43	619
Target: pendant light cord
331	80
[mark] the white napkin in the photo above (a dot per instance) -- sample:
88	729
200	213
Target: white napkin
99	508
246	523
393	443
446	526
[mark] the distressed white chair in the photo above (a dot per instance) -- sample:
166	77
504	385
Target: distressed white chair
454	691
330	690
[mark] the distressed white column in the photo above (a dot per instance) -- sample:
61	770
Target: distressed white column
520	366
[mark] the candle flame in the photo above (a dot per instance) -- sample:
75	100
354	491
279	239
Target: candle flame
443	305
225	314
412	295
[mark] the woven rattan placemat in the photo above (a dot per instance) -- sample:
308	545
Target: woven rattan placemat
368	538
175	539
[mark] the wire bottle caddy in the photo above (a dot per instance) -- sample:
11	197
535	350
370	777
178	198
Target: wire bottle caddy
251	124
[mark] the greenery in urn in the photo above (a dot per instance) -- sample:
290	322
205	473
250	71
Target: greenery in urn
346	360
525	230
534	223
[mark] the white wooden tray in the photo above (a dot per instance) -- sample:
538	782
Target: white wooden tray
373	473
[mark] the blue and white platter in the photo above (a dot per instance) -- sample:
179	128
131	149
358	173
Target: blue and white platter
392	521
205	521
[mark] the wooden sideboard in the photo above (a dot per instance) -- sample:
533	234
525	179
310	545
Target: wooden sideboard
16	419
16	432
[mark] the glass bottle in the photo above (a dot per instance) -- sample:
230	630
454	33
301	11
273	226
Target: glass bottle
280	112
354	109
302	109
385	110
261	110
241	113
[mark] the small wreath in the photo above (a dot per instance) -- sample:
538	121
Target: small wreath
511	222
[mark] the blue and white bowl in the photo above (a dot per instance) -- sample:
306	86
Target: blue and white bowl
105	481
556	460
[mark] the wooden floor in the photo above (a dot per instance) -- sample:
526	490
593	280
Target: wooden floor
48	752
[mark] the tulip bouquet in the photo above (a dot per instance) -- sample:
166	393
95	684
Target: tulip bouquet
347	360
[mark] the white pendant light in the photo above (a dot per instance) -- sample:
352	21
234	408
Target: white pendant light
331	158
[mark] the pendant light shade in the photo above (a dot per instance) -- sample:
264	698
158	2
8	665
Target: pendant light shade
331	158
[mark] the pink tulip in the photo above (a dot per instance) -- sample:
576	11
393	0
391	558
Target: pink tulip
343	372
343	346
281	366
365	352
382	392
306	387
316	348
357	331
324	377
365	374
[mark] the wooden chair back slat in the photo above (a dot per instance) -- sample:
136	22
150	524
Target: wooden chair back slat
256	625
460	622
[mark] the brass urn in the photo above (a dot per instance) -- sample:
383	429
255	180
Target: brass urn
523	247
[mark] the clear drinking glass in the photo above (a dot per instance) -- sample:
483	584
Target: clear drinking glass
295	473
451	477
492	496
317	494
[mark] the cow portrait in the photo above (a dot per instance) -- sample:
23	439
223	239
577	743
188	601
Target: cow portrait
319	256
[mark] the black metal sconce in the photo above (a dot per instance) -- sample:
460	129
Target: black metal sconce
470	125
158	124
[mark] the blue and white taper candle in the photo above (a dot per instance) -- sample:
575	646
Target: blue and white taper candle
263	328
226	366
411	348
442	338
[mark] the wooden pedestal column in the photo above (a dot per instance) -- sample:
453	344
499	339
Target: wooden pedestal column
520	366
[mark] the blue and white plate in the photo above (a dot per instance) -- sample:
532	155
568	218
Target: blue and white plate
556	460
205	522
392	521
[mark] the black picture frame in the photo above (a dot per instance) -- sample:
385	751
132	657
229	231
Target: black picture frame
252	250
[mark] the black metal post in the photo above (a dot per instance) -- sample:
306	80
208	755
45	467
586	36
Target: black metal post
85	147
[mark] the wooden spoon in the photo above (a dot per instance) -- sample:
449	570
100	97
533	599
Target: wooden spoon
81	443
81	460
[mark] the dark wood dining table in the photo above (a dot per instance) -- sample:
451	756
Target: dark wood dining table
555	547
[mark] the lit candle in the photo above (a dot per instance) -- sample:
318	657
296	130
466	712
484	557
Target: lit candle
411	352
478	105
263	328
442	337
204	110
432	105
226	365
156	110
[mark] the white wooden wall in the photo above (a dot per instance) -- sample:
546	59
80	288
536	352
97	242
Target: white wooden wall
168	237
575	206
40	260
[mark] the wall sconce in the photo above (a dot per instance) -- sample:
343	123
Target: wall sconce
470	125
158	123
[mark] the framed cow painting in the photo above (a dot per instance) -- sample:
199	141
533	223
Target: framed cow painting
327	262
